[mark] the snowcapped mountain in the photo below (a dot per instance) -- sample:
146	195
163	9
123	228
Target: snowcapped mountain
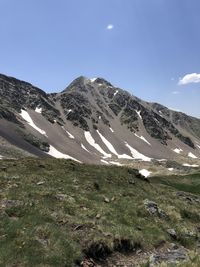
92	121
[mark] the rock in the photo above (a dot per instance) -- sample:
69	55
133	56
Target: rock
106	200
188	197
3	168
40	183
61	197
78	227
151	206
172	233
154	210
131	181
96	186
98	216
8	203
172	256
88	263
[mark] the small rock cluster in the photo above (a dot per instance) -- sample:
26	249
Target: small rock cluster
172	256
154	210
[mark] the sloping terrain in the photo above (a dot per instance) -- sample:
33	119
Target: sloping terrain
61	213
93	121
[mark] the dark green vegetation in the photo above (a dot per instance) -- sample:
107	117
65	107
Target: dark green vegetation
57	212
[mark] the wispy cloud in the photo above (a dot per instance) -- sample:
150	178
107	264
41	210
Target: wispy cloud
110	27
175	92
190	78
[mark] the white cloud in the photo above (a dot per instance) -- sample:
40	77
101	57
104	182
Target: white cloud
190	78
110	27
175	92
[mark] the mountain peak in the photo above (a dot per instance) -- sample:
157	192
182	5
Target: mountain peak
93	113
101	81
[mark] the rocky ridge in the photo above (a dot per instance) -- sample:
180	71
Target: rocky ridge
97	107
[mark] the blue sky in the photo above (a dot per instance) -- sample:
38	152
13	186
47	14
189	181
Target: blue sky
144	46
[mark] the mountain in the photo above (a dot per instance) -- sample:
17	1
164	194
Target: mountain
92	121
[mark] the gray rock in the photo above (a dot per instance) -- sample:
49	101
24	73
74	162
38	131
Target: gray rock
172	233
154	210
172	256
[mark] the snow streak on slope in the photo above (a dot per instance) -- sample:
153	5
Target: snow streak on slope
116	163
177	150
59	155
190	155
142	138
24	114
112	149
113	131
138	112
92	142
190	165
116	92
108	144
85	148
70	135
105	162
145	172
38	110
136	154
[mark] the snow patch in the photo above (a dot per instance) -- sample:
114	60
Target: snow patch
190	165
136	154
59	155
24	114
92	142
198	146
38	110
138	112
142	138
190	155
93	80
85	148
170	169
111	147
124	156
145	172
108	144
111	130
104	161
70	135
177	150
116	92
116	163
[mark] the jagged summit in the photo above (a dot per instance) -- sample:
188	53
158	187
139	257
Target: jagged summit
93	121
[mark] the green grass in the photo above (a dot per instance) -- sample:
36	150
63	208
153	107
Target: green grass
188	183
54	213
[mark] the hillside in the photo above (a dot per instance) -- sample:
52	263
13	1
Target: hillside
92	121
61	213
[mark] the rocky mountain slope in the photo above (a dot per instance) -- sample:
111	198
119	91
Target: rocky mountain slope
92	121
